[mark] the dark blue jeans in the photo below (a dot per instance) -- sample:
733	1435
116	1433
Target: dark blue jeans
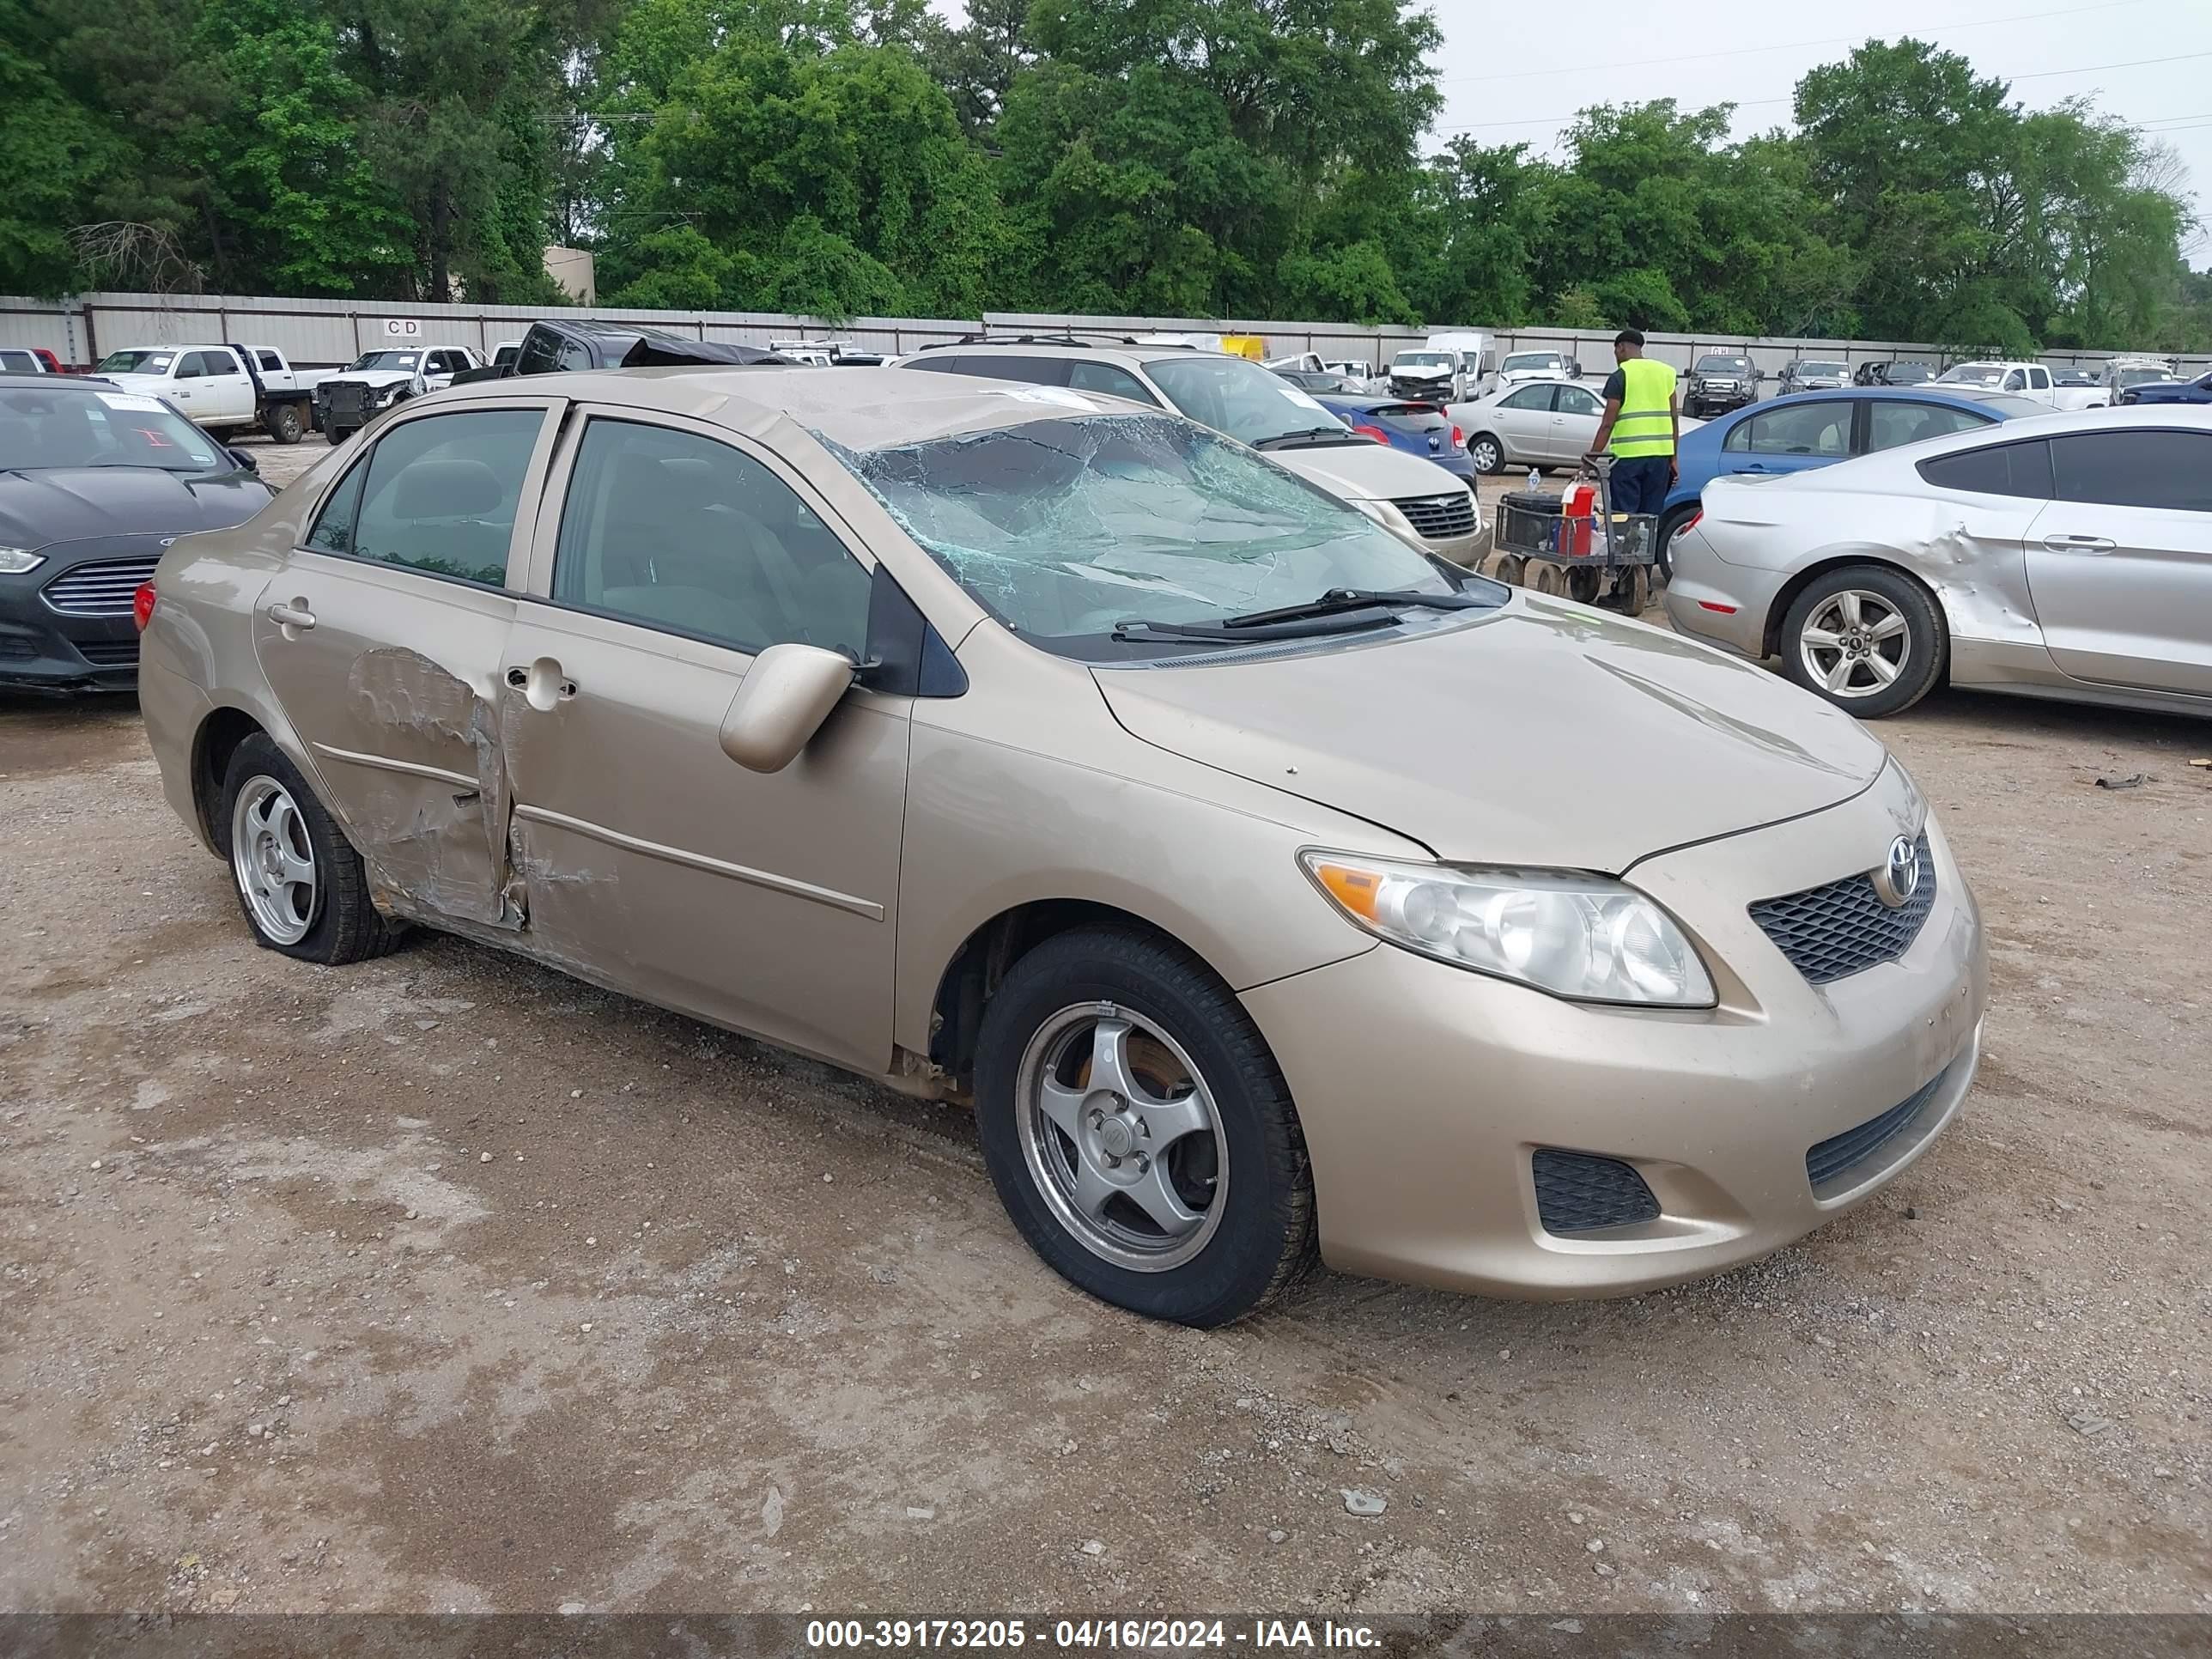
1640	483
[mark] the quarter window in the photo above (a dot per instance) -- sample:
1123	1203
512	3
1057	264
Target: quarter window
440	493
686	534
2171	471
1890	423
2022	470
333	531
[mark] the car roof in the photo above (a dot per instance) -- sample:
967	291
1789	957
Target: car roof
862	408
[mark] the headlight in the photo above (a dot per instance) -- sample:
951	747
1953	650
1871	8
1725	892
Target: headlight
385	394
15	561
1576	936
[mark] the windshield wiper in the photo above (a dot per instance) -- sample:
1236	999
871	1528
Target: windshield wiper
1339	610
1309	436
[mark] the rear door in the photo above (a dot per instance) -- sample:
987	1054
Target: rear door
1886	422
2120	564
384	638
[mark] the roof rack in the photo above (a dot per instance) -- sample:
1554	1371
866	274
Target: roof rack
1065	339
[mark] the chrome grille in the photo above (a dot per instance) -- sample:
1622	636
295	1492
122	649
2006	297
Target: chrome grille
1844	928
1439	518
102	588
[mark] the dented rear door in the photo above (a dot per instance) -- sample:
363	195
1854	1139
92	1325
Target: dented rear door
384	638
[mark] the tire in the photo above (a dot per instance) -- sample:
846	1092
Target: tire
339	434
1544	577
283	423
298	878
1631	589
1512	569
1233	1178
1583	584
1664	537
1854	607
1487	452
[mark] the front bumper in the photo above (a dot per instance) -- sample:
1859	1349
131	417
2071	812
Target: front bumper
1425	1093
45	650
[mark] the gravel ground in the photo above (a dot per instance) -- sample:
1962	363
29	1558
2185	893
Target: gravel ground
444	1282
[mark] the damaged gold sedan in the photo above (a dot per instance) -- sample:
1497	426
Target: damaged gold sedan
1026	746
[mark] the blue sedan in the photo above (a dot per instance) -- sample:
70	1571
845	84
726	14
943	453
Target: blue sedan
2198	391
1819	428
1418	428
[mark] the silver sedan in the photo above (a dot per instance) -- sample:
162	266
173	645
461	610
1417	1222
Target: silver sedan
1547	422
2064	555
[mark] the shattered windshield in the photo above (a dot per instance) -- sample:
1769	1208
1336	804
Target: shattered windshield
387	360
1065	528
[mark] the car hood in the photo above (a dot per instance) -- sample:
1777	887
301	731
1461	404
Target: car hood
40	507
1544	734
1366	472
152	385
378	377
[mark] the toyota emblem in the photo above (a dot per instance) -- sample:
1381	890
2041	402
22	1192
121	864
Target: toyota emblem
1898	878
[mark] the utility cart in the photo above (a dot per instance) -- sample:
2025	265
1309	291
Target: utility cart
1600	557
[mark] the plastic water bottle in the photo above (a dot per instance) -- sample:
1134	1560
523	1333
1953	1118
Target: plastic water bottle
1535	481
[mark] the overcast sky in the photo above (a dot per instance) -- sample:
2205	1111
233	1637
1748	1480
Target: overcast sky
1510	72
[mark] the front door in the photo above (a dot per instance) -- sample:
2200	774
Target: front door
1789	437
2119	565
670	554
1576	412
211	387
1524	423
384	637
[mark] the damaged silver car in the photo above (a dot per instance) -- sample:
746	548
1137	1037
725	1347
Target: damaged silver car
1024	747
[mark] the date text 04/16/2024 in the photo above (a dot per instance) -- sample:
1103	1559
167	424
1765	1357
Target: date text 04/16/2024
1086	1635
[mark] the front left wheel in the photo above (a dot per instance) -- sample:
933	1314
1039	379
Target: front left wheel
1139	1131
299	880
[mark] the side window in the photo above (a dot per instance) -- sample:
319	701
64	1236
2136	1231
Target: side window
2171	471
1036	371
2015	380
1530	397
2022	470
540	354
1823	429
1574	400
270	361
333	531
2040	378
192	366
1115	382
941	363
219	362
441	493
1892	421
684	533
573	354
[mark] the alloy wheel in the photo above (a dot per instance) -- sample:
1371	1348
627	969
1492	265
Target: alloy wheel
1121	1136
273	860
1486	455
1855	643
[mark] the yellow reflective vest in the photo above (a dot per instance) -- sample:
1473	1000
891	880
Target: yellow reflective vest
1645	425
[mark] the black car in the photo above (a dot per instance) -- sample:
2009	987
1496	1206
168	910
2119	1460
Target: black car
95	482
1719	381
1898	373
549	347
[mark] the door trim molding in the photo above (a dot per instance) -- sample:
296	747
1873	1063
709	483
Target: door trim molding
412	768
791	885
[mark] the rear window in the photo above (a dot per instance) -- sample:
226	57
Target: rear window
2022	469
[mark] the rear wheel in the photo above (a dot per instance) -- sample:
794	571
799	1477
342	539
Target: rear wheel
283	422
1487	453
1867	638
299	880
1139	1132
1669	527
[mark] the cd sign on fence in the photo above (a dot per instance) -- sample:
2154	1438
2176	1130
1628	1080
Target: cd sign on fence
401	328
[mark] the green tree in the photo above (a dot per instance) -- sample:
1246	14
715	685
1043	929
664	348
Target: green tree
59	151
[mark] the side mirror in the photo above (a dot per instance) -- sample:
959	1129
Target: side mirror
244	459
787	695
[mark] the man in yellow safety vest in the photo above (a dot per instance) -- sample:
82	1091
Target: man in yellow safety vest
1640	425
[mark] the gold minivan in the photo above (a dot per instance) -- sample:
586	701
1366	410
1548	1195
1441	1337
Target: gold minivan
1271	887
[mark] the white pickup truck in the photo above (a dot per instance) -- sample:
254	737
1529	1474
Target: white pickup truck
375	380
222	388
2021	380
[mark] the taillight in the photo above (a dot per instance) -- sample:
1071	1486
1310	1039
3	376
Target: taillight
142	605
1374	432
1690	523
1459	439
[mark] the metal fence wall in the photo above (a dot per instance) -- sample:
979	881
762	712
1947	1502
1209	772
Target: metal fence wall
320	333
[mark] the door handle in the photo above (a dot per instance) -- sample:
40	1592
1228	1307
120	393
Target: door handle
541	683
294	615
2080	543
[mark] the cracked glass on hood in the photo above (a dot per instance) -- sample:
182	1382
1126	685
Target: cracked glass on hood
1064	528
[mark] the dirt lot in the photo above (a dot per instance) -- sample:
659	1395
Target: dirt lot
446	1282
